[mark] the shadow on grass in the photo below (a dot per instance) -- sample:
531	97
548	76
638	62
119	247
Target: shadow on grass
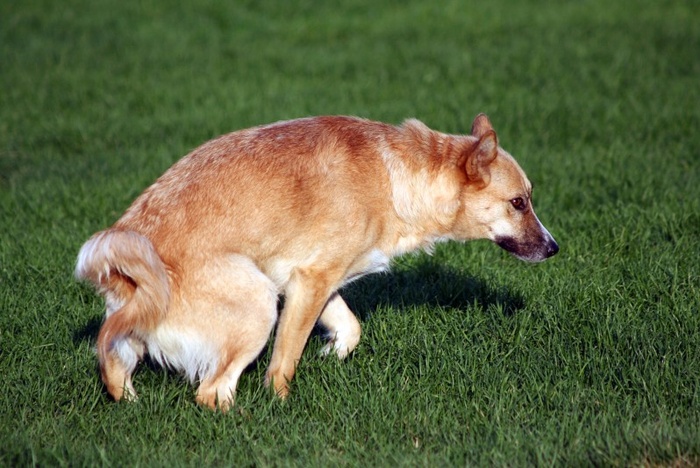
89	331
428	283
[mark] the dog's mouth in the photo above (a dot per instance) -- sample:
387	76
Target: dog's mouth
527	250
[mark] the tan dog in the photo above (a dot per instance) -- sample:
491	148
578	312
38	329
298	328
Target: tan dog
192	272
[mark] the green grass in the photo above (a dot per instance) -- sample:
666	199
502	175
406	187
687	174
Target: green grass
468	357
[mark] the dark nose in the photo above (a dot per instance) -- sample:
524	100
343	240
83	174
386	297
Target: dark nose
552	248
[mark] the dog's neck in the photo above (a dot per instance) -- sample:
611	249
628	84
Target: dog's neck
426	197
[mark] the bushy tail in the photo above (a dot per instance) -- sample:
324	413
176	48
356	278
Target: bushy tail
129	273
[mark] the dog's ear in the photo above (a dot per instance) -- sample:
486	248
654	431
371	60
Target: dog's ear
481	125
480	156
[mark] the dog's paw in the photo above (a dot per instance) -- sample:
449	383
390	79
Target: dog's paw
125	392
213	402
279	385
338	347
130	396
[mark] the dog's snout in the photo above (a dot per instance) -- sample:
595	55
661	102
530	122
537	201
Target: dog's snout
552	248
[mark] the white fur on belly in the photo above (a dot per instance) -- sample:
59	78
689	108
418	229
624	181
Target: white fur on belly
183	351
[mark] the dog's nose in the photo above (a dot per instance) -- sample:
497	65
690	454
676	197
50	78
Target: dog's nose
552	249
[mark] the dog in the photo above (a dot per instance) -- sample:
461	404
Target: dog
192	272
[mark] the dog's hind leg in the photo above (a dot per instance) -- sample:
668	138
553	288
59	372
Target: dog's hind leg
238	307
117	367
342	327
218	391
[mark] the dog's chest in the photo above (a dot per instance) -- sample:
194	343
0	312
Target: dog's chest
375	262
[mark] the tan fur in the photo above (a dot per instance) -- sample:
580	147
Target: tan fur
192	271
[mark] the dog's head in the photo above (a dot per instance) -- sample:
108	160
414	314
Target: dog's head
497	199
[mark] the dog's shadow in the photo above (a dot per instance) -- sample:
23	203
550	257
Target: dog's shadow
428	283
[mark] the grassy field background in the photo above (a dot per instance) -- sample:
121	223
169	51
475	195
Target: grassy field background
468	357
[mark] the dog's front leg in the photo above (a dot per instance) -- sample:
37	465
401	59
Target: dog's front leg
342	327
305	297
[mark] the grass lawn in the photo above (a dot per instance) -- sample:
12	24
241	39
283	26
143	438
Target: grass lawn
468	356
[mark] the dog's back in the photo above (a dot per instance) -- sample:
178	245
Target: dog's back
279	194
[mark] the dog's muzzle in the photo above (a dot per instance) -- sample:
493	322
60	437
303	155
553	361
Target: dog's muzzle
528	250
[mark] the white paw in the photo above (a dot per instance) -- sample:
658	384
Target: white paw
339	347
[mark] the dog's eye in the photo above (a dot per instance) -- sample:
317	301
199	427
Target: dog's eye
518	203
